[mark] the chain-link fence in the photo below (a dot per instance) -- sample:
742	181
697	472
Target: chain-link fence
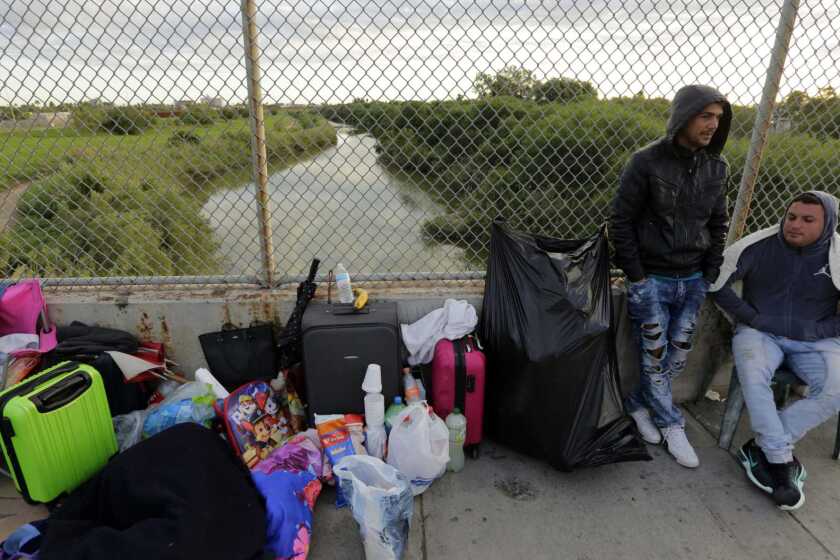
394	132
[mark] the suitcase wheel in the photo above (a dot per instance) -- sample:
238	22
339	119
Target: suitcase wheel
473	451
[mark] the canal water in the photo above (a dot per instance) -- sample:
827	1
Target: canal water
340	206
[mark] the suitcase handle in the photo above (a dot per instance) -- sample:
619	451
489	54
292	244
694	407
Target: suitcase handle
62	392
348	309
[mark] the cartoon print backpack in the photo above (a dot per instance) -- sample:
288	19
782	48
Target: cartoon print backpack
257	421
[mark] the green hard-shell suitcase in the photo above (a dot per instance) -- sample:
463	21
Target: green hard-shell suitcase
56	430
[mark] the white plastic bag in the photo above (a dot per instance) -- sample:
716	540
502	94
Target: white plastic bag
381	501
418	445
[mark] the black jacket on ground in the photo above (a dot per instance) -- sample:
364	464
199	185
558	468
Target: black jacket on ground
669	216
181	494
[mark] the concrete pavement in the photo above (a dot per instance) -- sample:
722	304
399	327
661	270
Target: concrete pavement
507	506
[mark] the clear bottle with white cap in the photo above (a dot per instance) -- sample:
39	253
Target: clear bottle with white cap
342	282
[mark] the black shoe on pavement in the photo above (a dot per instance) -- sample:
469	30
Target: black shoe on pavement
788	481
756	466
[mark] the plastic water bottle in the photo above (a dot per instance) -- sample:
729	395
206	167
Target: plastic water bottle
410	388
393	411
457	424
342	282
421	388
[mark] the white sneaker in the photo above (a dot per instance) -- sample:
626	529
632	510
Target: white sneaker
677	445
650	433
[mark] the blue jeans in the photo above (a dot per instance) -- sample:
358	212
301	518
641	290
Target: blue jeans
664	315
757	356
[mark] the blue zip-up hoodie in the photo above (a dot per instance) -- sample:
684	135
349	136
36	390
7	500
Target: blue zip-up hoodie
787	291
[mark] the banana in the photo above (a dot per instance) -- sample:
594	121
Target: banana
361	298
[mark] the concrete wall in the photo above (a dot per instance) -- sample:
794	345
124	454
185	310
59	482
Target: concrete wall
176	317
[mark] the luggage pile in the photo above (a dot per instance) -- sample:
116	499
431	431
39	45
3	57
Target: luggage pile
125	448
95	415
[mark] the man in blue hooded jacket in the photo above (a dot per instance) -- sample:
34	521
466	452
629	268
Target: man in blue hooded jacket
787	313
668	226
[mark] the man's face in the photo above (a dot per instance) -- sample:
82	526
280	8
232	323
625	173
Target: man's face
804	224
700	129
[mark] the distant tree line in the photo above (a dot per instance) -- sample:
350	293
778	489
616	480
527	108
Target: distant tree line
818	115
514	81
552	166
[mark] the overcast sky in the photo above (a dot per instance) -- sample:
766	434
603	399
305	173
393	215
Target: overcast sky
132	51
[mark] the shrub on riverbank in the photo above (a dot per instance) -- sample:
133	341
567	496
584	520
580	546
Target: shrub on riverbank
219	156
135	209
552	168
92	219
112	120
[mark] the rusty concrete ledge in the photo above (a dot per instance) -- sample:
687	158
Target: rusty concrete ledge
176	316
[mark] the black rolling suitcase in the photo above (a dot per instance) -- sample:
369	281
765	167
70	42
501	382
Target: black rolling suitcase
338	345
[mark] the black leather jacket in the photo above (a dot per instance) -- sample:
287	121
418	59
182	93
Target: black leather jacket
669	216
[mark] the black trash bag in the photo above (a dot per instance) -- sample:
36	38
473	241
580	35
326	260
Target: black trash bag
552	381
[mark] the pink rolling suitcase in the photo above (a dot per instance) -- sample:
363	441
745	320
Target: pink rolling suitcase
458	376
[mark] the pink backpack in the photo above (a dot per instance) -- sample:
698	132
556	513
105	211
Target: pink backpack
23	310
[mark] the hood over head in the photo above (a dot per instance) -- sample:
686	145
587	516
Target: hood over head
688	102
830	207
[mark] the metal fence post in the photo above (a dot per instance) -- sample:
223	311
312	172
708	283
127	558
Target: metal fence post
258	150
762	120
758	141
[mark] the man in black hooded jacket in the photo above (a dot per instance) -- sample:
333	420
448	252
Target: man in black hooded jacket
668	227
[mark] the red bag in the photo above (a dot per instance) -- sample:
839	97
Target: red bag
155	354
458	377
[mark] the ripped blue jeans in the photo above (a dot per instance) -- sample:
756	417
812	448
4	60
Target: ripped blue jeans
664	315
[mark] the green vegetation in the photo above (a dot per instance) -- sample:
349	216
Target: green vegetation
818	115
563	90
513	81
124	203
112	120
551	167
120	192
199	115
